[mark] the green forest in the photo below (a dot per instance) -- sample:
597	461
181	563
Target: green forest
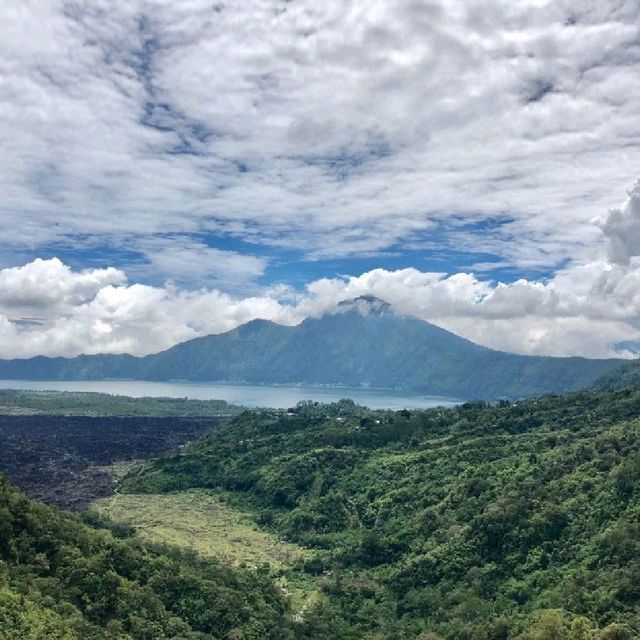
481	522
61	579
72	403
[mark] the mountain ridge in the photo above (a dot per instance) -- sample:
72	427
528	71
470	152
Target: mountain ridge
362	343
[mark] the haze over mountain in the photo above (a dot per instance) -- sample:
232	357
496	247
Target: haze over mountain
362	343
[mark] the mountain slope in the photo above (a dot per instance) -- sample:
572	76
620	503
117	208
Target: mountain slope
363	344
627	375
381	350
62	580
507	521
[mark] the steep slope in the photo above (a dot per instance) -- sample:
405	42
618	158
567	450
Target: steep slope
61	580
627	375
481	522
362	344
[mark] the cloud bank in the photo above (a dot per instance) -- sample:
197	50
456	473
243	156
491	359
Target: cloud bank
585	309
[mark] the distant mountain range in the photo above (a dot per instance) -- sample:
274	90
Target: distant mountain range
363	343
627	375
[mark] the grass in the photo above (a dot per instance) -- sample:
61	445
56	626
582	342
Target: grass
199	520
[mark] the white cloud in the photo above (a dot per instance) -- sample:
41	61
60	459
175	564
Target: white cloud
585	309
581	311
49	284
47	308
330	128
622	229
183	259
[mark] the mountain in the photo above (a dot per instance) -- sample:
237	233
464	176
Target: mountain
627	375
363	343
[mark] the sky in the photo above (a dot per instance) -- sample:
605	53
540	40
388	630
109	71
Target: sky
173	169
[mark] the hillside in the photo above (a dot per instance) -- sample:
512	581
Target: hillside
481	522
61	580
363	344
628	375
478	522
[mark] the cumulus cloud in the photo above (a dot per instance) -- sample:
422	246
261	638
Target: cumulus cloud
581	311
50	285
622	229
328	128
112	317
585	309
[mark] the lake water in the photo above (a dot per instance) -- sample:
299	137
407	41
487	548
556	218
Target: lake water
278	397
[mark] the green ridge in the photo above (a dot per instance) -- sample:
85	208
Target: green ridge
480	522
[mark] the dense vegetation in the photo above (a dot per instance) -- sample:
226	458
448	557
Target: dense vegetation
61	580
72	403
479	522
352	348
628	375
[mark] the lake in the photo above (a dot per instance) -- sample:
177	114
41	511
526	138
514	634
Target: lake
276	396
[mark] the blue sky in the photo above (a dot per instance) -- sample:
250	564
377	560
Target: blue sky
257	150
438	253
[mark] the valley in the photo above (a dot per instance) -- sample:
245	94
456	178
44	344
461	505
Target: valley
201	521
480	521
320	320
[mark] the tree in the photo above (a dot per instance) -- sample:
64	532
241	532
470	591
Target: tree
550	626
581	629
